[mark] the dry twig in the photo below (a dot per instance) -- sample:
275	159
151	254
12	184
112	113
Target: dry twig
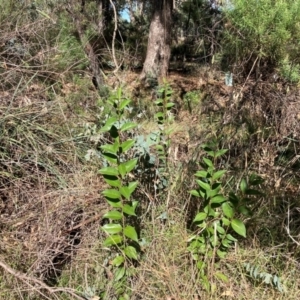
288	230
38	283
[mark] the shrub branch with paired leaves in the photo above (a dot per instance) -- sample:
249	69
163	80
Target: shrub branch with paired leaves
163	118
217	221
122	236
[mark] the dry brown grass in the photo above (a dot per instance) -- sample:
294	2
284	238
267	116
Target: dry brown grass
51	206
47	197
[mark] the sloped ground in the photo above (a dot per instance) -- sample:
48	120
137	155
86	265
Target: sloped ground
51	206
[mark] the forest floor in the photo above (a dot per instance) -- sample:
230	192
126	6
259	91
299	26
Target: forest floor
51	206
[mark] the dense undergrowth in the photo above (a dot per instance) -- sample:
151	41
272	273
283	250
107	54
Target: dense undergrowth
52	209
186	190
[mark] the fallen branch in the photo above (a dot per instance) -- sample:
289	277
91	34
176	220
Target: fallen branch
288	230
38	283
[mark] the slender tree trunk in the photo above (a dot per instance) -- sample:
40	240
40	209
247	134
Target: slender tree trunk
159	42
100	6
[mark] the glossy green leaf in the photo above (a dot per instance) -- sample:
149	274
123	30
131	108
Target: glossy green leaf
220	153
115	203
128	126
225	222
170	104
127	145
129	210
135	204
122	170
220	229
117	261
227	210
204	185
212	212
112	228
211	153
109	171
131	252
119	273
113	215
201	174
220	275
218	174
218	199
202	194
124	103
214	239
105	128
239	227
125	192
118	95
243	185
226	243
221	254
113	182
160	147
195	193
206	208
113	240
130	232
111	193
159	115
112	158
113	149
132	186
213	192
109	123
130	164
208	162
200	217
231	238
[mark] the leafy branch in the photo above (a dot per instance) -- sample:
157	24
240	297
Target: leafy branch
121	235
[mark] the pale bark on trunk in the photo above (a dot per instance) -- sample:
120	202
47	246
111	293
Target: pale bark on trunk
159	42
100	5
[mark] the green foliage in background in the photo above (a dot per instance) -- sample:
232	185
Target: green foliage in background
69	51
263	32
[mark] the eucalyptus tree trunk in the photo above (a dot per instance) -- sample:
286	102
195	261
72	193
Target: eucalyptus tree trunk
159	42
